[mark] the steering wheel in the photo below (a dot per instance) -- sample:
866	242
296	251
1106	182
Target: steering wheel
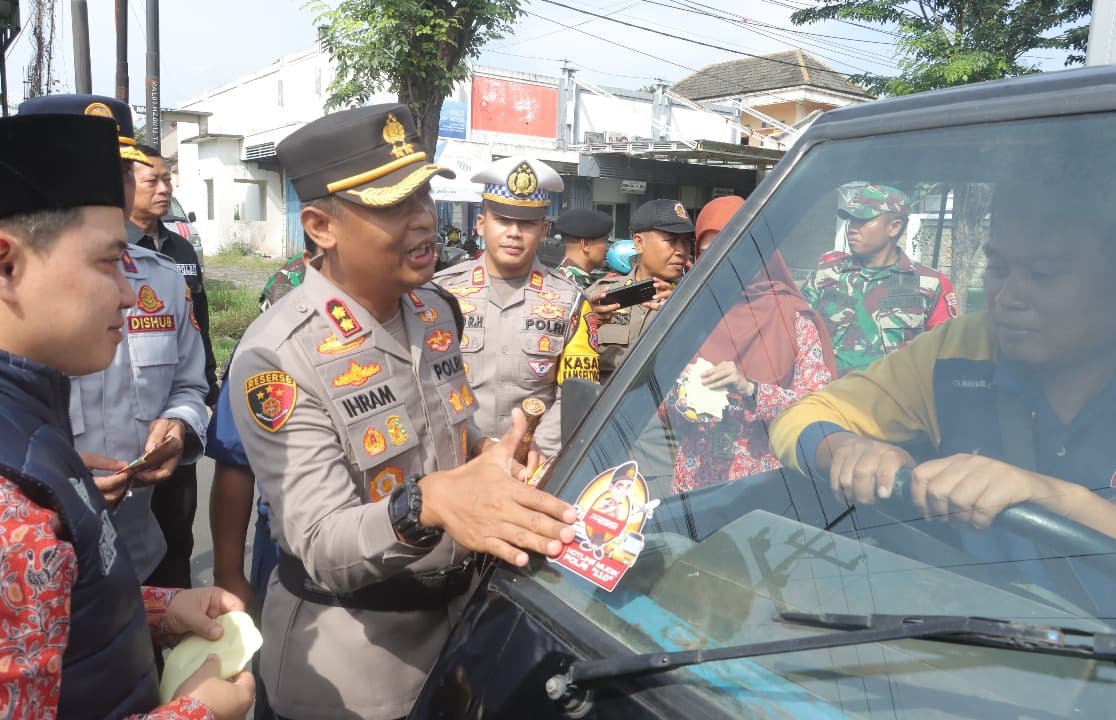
1047	529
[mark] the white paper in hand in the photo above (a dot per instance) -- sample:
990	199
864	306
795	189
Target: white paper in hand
699	400
236	646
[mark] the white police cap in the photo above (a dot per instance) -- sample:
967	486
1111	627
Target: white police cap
519	187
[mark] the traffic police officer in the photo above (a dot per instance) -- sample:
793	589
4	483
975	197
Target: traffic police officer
153	392
354	411
875	299
585	233
527	327
662	233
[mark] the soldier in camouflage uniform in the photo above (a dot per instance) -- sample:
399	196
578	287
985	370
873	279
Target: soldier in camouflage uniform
585	233
286	278
876	299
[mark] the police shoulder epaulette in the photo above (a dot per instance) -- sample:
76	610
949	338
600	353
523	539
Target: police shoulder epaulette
451	300
275	327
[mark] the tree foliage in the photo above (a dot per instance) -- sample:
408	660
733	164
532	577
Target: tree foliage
415	48
942	43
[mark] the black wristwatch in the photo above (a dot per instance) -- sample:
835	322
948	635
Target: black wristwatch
404	509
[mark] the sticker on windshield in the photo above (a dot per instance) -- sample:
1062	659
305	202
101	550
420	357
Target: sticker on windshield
611	512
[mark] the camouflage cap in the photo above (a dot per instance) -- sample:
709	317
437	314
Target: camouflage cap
873	201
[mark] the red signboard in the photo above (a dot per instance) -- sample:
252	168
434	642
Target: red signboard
508	106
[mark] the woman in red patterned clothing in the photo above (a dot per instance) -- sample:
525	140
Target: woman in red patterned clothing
768	350
77	626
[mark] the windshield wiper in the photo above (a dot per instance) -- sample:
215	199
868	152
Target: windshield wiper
860	629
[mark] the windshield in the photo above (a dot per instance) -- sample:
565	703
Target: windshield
175	210
738	475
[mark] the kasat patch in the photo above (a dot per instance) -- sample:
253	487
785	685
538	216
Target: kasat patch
271	398
338	313
148	301
332	345
383	482
608	534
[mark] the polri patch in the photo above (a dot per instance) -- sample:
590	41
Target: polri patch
342	318
608	534
271	398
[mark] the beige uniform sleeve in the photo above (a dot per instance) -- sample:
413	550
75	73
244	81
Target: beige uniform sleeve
305	477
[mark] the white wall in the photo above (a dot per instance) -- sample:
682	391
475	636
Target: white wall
596	113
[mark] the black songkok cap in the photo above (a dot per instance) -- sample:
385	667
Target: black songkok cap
582	223
369	156
99	105
55	162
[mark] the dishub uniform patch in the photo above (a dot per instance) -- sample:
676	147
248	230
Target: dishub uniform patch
271	398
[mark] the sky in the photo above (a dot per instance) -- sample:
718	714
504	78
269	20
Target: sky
205	44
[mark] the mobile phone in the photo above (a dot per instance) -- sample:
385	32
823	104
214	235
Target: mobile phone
629	295
143	461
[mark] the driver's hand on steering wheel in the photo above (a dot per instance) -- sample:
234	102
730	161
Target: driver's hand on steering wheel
973	488
861	467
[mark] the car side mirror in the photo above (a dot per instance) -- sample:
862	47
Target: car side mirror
578	395
191	216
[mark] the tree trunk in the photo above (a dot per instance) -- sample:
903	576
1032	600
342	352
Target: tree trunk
426	106
971	203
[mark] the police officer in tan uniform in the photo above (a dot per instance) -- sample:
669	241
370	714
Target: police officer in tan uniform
355	415
527	327
662	233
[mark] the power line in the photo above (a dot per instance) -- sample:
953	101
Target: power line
706	71
753	26
664	34
554	32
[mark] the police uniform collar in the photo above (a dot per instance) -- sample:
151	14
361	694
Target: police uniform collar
135	233
347	319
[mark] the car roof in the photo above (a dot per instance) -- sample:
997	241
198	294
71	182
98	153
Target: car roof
1044	94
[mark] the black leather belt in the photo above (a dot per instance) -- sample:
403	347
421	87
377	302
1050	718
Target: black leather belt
398	593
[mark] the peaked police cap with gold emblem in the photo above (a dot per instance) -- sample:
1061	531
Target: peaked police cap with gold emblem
369	156
518	187
55	162
97	106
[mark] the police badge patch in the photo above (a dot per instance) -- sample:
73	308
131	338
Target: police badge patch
271	398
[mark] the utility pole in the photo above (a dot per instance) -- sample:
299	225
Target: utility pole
83	74
9	28
122	50
154	129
